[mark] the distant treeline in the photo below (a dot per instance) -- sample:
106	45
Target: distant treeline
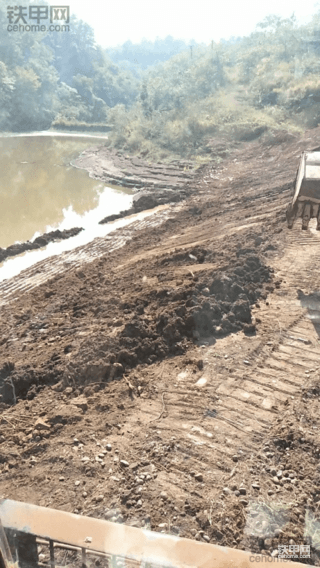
139	57
57	77
162	98
200	101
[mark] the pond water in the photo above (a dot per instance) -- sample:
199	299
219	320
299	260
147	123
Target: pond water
40	190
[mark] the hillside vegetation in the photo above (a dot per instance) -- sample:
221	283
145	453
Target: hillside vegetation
163	99
235	90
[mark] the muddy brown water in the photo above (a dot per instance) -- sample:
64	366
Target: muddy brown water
40	191
39	188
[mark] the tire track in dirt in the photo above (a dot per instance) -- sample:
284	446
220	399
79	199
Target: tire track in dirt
227	414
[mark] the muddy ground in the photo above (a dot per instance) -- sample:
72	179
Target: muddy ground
41	241
115	167
173	382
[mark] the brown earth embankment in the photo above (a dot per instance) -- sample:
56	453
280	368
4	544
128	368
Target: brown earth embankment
173	382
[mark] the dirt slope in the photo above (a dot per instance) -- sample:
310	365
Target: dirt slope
169	377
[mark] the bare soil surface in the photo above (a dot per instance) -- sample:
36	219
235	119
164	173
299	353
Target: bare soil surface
112	166
168	376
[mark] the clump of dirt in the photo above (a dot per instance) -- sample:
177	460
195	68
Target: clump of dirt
229	297
149	327
165	321
147	200
42	241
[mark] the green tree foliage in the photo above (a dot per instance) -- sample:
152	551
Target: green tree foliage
28	79
74	52
140	56
52	76
237	89
163	98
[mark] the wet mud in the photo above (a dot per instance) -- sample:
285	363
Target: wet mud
42	241
113	167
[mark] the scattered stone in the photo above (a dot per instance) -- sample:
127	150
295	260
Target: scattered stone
41	425
68	390
57	387
163	526
112	513
206	537
255	486
201	382
163	495
108	447
235	458
84	494
124	463
61	478
242	491
198	476
80	402
77	483
244	502
193	532
226	490
99	498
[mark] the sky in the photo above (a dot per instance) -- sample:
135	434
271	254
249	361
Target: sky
117	21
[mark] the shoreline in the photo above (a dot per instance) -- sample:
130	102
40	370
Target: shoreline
113	168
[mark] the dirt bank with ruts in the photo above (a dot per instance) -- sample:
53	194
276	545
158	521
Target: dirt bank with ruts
112	166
